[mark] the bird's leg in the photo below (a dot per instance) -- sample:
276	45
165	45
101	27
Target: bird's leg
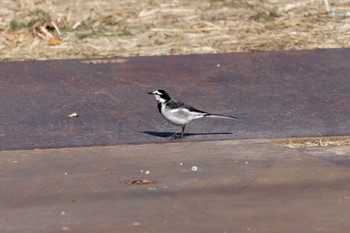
183	130
174	136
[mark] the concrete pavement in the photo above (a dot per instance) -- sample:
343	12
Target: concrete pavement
222	186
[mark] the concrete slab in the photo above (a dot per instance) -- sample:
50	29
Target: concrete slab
222	186
280	94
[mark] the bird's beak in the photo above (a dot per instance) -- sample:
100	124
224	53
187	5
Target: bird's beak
150	93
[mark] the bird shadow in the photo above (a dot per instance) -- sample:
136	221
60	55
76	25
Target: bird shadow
169	134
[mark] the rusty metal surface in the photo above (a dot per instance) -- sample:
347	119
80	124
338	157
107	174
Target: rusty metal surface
239	186
279	94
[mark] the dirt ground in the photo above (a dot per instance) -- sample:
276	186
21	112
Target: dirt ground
60	29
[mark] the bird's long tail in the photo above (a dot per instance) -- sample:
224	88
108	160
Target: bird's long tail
220	116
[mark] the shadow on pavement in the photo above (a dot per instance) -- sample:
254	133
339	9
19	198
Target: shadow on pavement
169	134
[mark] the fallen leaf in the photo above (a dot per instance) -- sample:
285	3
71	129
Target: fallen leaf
145	181
54	41
11	37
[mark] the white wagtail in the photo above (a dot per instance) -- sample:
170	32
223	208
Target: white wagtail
179	113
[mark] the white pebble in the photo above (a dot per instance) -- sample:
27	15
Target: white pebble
194	168
147	172
74	114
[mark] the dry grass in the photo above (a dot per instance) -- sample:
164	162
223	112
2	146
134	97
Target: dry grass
102	28
314	141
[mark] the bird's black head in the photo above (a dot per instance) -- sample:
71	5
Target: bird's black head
160	95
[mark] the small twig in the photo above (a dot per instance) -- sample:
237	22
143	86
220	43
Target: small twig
56	28
327	5
76	25
37	33
46	32
194	30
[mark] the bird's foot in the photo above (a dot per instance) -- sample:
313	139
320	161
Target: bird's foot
176	136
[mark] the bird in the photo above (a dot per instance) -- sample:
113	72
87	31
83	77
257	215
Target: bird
180	114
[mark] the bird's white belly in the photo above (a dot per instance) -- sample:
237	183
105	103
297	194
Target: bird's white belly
179	116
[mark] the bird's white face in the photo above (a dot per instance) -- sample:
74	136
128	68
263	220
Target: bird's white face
158	96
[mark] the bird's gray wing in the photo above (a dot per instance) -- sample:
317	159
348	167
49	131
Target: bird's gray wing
174	104
192	109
